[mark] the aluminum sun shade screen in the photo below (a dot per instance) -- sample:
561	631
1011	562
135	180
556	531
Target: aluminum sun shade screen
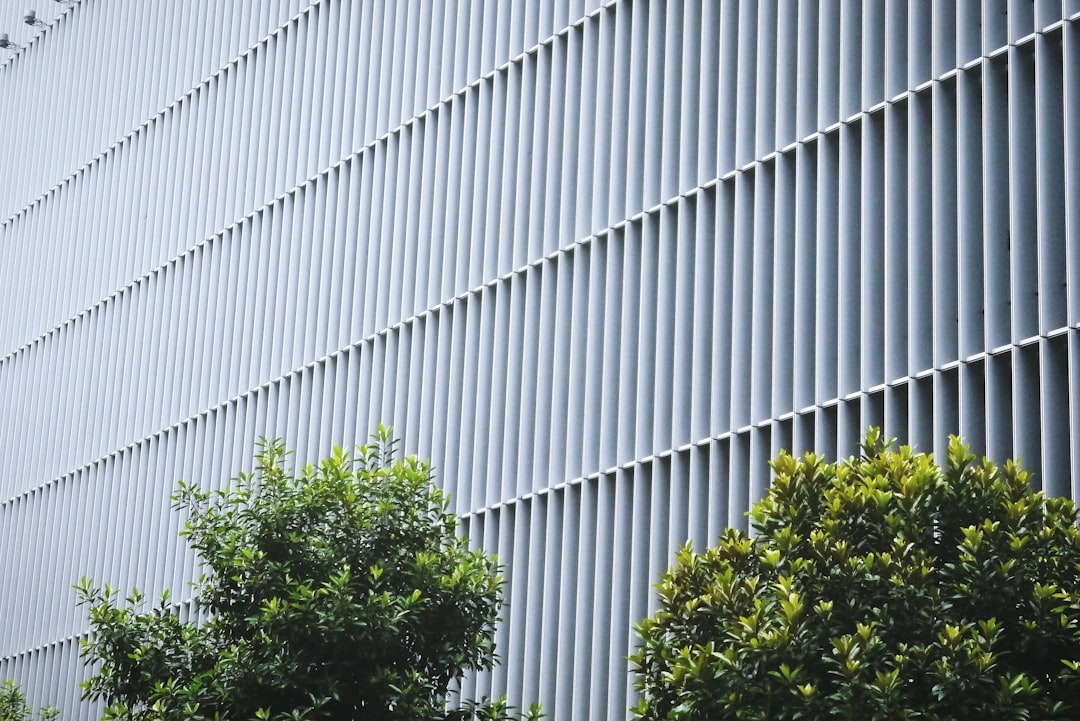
599	262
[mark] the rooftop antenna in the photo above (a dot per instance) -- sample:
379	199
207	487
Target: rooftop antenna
31	19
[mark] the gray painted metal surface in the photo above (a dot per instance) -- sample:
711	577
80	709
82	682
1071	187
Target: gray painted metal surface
598	261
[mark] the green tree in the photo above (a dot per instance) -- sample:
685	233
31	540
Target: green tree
881	588
343	593
13	706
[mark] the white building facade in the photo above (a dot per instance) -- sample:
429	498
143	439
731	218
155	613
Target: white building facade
598	260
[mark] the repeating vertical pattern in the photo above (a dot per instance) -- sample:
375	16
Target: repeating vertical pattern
599	260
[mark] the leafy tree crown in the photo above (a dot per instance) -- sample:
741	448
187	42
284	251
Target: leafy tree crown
880	588
340	593
13	705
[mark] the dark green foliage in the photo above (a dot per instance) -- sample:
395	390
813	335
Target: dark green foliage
13	706
342	594
881	588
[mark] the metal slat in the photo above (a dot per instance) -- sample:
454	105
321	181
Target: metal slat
598	260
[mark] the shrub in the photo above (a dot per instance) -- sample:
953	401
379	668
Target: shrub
344	593
880	588
13	706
